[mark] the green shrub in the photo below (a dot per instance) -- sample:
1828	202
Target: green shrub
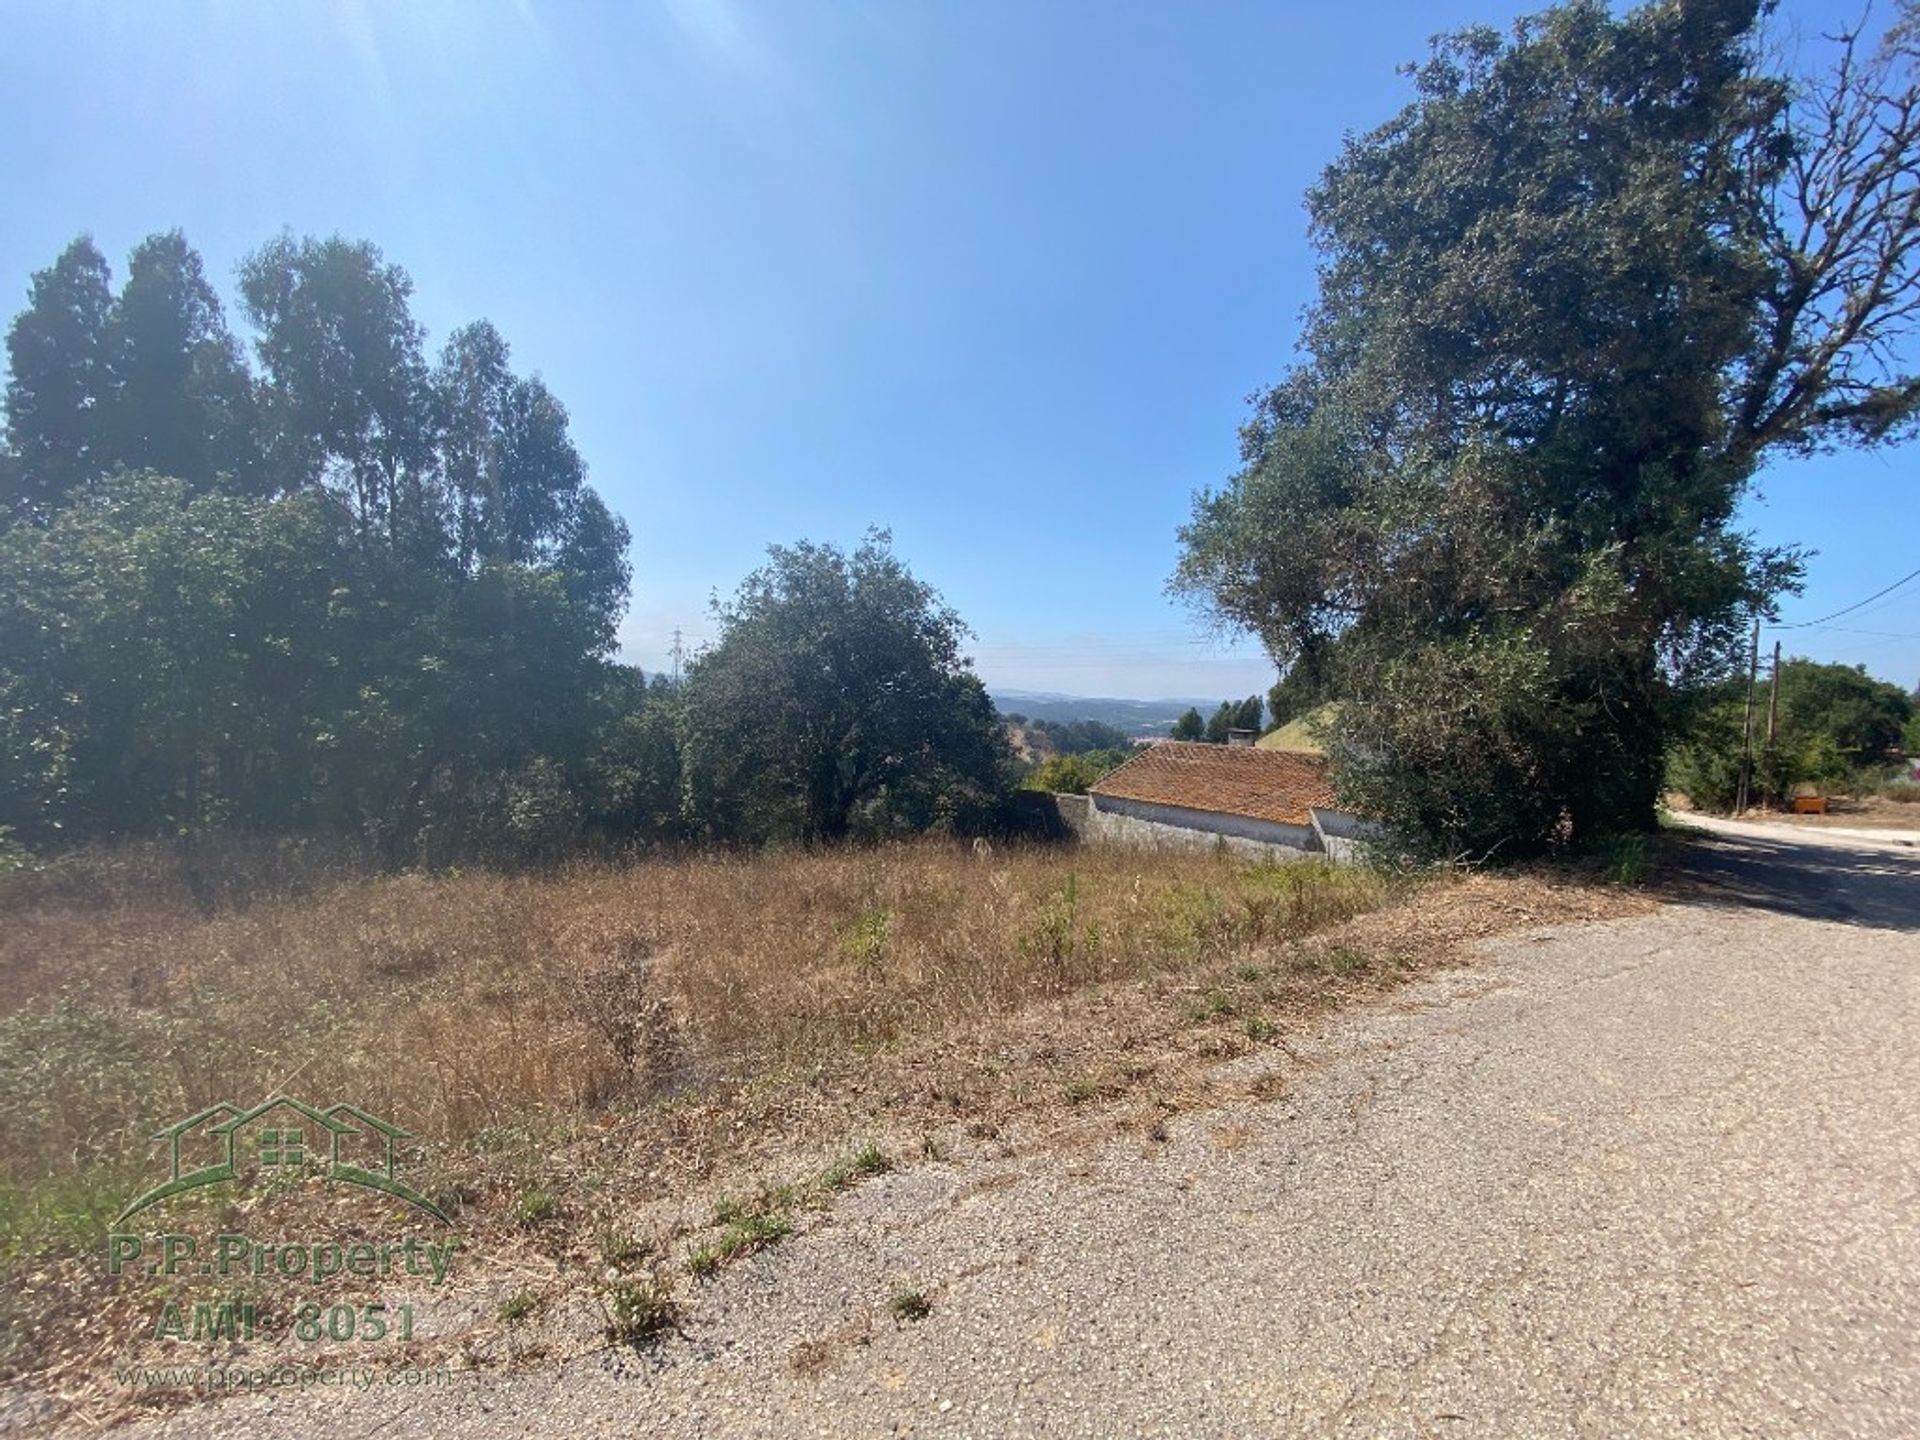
1074	774
1626	858
867	940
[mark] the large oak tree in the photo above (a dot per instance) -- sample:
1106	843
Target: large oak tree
1571	296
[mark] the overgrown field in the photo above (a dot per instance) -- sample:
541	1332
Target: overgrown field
513	1012
462	1002
623	1078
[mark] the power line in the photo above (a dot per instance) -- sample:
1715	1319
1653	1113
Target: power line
1883	634
1805	624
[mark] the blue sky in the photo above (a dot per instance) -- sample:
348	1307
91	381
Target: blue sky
999	276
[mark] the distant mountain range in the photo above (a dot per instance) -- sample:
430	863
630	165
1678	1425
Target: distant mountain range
1137	717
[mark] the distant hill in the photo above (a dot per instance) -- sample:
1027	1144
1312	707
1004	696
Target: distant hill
1136	717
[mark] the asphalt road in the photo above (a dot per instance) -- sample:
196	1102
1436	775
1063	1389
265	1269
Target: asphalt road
1653	1177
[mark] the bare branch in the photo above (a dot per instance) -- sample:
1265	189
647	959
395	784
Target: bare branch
1845	249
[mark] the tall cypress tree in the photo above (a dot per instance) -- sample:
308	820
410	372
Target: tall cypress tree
58	384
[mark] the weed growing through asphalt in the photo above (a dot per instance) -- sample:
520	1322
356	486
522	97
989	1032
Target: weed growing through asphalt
740	1238
750	1223
777	1195
620	1251
908	1306
869	1160
637	1310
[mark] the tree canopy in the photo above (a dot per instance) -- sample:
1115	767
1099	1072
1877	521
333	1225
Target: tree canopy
1570	296
1831	723
1076	737
352	589
837	700
1076	773
343	591
1233	715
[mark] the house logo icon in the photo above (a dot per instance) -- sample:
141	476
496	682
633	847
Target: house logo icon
284	1136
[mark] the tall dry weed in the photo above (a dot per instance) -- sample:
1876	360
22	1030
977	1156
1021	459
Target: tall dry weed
132	993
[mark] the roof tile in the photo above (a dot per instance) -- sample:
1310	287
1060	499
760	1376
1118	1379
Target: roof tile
1276	785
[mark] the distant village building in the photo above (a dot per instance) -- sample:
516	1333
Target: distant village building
1262	802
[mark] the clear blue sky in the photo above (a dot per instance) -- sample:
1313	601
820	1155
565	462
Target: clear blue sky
998	275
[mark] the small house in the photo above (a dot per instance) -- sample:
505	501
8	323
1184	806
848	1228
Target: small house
1259	801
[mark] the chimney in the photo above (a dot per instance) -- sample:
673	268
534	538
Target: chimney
1242	738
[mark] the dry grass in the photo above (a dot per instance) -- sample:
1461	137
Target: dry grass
601	1058
461	1003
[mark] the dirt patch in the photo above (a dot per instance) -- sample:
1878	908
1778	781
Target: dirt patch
1871	812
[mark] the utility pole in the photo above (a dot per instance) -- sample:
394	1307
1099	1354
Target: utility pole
1746	744
679	653
1773	704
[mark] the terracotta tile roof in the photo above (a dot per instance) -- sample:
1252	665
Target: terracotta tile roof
1275	785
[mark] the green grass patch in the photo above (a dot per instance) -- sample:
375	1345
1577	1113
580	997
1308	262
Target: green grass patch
63	1213
1214	1005
869	1160
1344	960
740	1238
534	1207
1626	858
621	1250
866	940
638	1310
518	1306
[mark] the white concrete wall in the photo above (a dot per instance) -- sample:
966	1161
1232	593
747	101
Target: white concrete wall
1341	834
1113	821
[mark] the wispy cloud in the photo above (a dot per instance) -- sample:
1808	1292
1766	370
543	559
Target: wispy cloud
717	29
357	23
